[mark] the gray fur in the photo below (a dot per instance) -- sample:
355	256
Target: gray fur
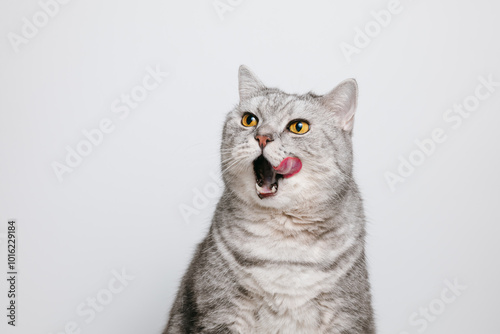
295	262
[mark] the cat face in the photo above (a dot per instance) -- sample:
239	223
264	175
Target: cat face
283	150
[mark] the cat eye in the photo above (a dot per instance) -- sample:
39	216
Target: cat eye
299	127
249	120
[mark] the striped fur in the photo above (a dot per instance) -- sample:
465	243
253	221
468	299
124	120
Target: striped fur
295	262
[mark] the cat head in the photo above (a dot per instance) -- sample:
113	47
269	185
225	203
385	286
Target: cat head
284	150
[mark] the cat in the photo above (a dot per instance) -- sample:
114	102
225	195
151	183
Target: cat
285	251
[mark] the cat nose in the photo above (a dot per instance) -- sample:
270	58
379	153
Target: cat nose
263	140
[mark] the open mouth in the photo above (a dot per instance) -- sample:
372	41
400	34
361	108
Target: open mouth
267	176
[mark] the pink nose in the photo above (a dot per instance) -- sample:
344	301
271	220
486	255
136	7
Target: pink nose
263	140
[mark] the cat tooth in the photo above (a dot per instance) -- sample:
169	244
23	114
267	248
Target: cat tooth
262	190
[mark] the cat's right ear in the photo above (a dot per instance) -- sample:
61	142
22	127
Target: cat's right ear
248	83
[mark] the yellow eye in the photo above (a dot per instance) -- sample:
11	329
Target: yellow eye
299	127
249	120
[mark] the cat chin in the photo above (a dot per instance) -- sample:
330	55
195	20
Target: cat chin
281	200
276	202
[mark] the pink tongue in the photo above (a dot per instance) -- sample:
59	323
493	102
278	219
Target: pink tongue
289	167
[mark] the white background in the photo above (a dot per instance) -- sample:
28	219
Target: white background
121	207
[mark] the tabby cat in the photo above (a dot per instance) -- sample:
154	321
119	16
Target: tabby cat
285	252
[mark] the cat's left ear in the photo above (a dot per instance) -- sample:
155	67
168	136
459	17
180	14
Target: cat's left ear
343	100
248	83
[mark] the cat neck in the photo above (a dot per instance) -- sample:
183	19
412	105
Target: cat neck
315	217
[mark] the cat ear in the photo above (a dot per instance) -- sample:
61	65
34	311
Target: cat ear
248	83
343	100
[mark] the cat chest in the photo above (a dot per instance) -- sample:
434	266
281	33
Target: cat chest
283	314
297	281
292	266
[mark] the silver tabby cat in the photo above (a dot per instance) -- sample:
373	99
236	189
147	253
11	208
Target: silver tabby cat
285	252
